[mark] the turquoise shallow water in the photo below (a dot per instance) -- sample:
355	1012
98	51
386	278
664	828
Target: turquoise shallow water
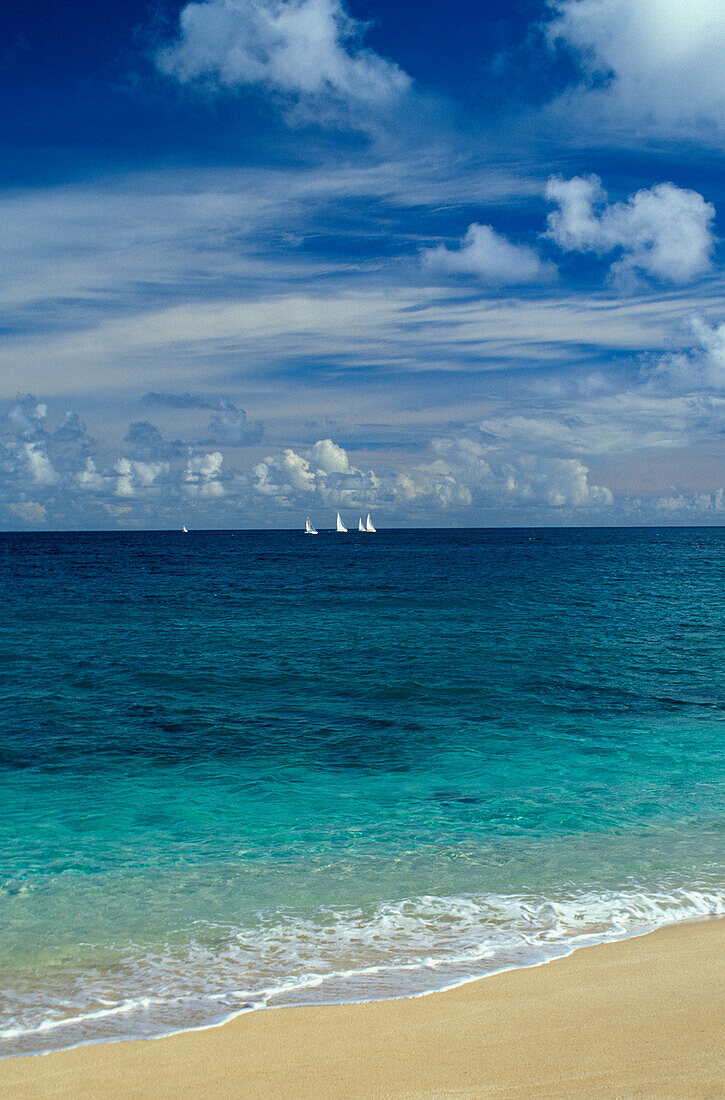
245	769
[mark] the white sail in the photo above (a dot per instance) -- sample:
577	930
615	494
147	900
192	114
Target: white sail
185	529
369	524
309	529
360	524
340	526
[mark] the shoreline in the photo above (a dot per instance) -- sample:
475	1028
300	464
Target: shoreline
583	941
637	1016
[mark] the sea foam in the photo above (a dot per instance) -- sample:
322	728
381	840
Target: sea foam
394	949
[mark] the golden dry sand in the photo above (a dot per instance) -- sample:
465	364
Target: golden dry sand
643	1018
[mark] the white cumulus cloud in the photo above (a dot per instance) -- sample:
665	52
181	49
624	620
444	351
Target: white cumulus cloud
283	475
491	257
692	503
325	469
134	477
698	368
510	477
664	232
201	477
39	465
462	472
433	483
89	478
28	511
329	458
657	63
306	51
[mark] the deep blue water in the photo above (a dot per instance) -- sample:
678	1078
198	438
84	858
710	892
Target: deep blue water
249	768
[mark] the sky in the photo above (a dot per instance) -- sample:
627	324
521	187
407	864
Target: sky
454	264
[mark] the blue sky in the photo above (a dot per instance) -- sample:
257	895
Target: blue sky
454	264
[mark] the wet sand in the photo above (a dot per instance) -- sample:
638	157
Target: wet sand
642	1018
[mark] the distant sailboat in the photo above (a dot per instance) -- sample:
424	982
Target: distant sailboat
185	530
369	524
360	525
309	529
339	525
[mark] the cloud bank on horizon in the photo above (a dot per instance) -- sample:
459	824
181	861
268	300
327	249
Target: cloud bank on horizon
298	256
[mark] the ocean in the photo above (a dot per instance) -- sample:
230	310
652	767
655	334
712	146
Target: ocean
245	769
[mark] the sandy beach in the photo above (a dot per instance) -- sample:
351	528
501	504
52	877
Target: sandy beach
640	1018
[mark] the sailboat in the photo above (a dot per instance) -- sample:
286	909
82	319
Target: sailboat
309	529
360	525
339	525
184	529
369	525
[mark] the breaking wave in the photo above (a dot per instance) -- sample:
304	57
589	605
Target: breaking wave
394	949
